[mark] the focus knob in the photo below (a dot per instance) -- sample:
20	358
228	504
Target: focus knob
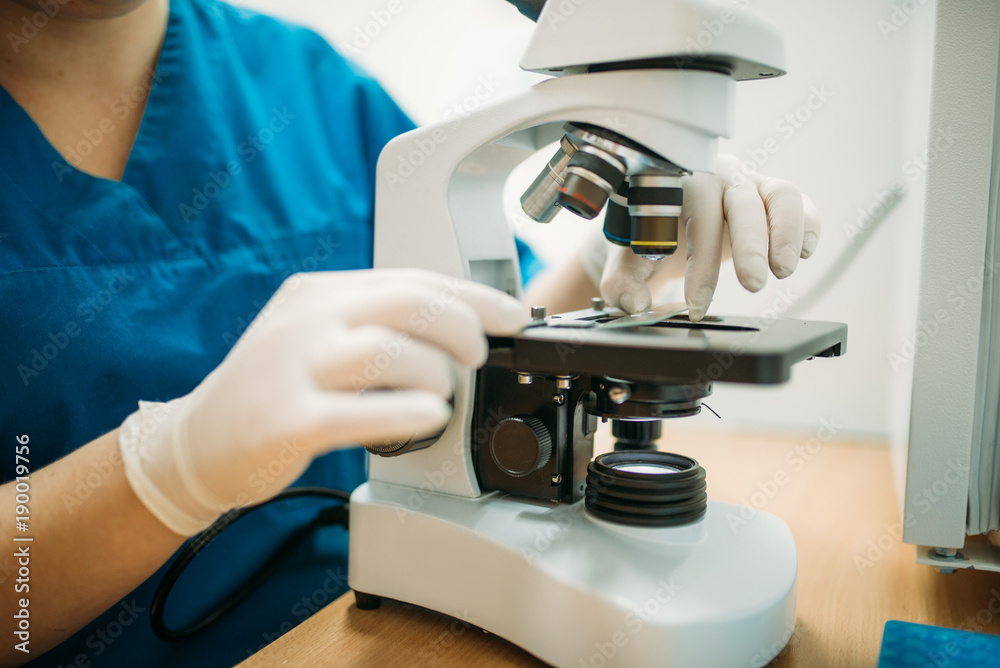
521	445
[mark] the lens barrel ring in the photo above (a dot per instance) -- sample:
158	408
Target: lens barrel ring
612	174
690	476
639	196
592	176
658	497
660	514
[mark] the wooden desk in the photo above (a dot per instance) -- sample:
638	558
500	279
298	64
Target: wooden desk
854	573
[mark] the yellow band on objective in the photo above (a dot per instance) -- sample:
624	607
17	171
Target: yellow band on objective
653	243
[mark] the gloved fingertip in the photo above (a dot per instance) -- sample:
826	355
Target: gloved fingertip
429	411
471	353
785	265
698	303
635	301
481	354
513	315
753	273
809	243
502	315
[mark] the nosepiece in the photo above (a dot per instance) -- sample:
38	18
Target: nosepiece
594	165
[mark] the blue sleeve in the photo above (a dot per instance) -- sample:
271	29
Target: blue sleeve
531	266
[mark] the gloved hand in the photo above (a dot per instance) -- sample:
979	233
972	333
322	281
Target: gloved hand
331	360
770	225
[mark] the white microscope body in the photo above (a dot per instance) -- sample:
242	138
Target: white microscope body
569	588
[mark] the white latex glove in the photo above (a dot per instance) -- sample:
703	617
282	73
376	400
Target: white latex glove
331	360
770	224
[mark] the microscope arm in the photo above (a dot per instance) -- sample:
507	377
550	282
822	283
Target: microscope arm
439	193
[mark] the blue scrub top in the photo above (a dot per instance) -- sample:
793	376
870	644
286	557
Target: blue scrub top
255	159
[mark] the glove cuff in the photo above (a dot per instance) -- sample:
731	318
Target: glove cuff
158	472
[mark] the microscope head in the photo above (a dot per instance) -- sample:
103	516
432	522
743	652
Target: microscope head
595	165
577	36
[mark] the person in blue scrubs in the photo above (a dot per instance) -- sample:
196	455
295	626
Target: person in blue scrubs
254	160
164	169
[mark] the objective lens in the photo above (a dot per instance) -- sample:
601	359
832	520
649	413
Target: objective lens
539	200
654	203
651	489
591	177
617	221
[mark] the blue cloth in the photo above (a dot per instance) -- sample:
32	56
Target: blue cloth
908	645
255	159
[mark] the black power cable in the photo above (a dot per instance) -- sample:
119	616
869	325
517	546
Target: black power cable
333	515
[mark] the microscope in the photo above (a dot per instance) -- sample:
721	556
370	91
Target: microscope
505	519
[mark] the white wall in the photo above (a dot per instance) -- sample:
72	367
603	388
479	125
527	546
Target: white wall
847	155
869	62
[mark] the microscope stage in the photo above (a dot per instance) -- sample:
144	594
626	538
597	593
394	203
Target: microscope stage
670	350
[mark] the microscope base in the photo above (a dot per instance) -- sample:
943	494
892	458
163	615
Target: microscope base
576	591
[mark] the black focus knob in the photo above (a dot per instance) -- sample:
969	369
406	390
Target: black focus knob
521	445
